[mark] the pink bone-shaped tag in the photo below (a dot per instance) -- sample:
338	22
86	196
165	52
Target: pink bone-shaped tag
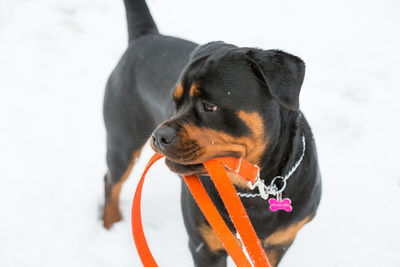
275	204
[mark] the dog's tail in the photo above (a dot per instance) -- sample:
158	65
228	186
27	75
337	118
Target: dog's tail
140	21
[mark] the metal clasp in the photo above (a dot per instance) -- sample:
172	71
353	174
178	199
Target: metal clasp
261	188
278	189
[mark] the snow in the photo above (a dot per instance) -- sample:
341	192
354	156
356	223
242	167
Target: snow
55	58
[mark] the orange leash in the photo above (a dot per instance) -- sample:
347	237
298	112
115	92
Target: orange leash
232	203
136	219
238	214
215	220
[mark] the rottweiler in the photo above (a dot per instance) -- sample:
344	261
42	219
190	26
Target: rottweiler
198	102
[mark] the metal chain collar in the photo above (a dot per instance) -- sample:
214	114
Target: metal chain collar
273	188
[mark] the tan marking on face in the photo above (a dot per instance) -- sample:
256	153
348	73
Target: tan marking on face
213	143
178	93
111	213
211	238
256	144
194	90
199	144
285	236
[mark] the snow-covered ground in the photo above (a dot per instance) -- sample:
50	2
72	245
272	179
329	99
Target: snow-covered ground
55	57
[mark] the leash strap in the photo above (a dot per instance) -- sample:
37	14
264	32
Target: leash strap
232	203
213	217
136	220
236	211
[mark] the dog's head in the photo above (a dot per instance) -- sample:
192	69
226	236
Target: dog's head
229	102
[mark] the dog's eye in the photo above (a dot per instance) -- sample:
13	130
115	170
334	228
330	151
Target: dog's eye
209	107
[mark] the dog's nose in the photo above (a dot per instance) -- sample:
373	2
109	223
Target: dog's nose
163	137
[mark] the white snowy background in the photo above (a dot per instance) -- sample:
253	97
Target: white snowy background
55	57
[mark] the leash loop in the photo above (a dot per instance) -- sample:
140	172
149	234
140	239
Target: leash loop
232	203
136	220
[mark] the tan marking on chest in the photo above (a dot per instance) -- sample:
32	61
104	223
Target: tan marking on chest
211	238
285	236
272	255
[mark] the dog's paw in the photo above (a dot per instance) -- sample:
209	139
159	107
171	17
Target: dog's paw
111	215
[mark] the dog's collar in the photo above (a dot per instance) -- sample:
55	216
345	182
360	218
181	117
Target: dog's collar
274	188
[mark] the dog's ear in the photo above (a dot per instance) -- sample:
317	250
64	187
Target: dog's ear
281	73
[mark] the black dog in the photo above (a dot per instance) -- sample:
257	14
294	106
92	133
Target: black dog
210	101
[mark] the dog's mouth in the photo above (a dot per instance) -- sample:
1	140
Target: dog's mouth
185	169
188	169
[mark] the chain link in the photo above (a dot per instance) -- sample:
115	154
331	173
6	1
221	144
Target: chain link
273	189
